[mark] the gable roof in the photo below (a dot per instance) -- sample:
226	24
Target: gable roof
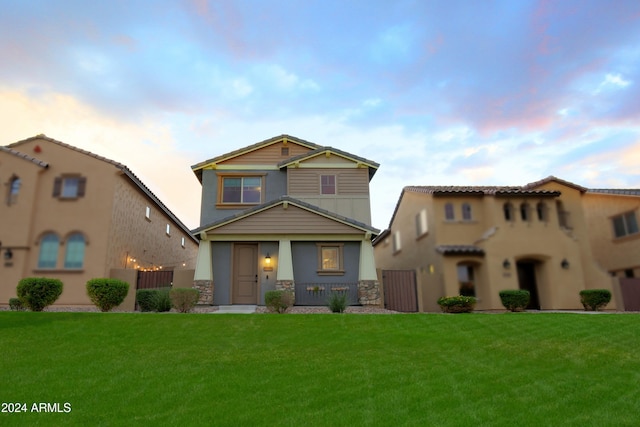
124	169
373	166
552	178
285	201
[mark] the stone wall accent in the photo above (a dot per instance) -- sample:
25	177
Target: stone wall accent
206	291
286	285
369	292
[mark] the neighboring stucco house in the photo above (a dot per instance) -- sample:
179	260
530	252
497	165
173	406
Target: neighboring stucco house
73	215
479	240
612	217
285	213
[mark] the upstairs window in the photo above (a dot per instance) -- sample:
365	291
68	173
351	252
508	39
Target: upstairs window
48	257
74	255
147	213
168	230
397	244
525	212
625	224
14	189
421	223
327	184
563	215
541	209
69	187
508	212
466	212
245	190
448	212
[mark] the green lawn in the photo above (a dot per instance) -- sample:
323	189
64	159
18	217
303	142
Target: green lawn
507	369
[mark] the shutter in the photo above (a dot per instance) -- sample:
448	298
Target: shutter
57	186
82	185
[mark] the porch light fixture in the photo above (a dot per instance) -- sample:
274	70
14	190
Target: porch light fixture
8	254
564	264
506	264
267	263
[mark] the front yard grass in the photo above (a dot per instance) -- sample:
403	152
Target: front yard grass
322	370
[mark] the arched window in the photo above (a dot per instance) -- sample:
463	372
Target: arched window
49	245
525	212
74	255
541	209
448	212
466	280
508	212
466	212
563	215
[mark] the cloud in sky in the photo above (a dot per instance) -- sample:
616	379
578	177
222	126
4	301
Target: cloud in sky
442	92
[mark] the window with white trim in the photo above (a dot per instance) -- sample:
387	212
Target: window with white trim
74	252
328	184
421	223
466	212
168	229
48	256
69	187
449	214
625	224
242	190
330	259
147	213
397	244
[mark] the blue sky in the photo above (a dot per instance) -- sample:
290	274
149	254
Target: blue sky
438	92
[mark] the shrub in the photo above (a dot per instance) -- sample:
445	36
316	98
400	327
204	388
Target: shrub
184	299
337	302
457	304
107	293
38	292
594	299
278	301
154	299
16	305
515	300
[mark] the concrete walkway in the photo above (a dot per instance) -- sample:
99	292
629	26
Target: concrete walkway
243	309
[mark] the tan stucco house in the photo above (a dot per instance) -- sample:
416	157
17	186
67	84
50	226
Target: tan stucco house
285	213
73	215
479	240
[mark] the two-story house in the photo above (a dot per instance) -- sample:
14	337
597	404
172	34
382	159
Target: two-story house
483	239
285	213
73	215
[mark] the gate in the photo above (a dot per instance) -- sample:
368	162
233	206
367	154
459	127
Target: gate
400	292
154	279
630	288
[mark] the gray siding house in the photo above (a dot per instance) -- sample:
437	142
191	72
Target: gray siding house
286	214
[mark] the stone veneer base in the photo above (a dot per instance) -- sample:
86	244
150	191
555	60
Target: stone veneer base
369	292
205	287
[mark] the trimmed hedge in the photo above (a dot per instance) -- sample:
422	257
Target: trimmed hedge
184	299
515	299
153	299
595	299
107	293
16	305
457	304
278	301
38	292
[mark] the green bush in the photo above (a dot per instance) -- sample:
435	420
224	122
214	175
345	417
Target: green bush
337	302
184	299
16	305
38	292
594	299
154	299
107	293
457	304
278	301
515	299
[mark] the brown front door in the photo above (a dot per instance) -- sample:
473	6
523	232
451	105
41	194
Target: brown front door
245	274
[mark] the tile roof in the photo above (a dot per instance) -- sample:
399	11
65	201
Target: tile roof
295	202
118	165
24	156
552	178
616	191
478	190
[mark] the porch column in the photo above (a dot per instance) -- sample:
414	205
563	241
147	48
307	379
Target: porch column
203	277
284	275
368	286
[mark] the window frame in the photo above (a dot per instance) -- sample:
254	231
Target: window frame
60	187
51	263
333	186
449	212
70	243
221	204
396	241
467	213
14	185
625	223
422	226
339	248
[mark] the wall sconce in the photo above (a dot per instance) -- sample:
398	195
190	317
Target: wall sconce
506	264
8	254
564	264
432	269
267	263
